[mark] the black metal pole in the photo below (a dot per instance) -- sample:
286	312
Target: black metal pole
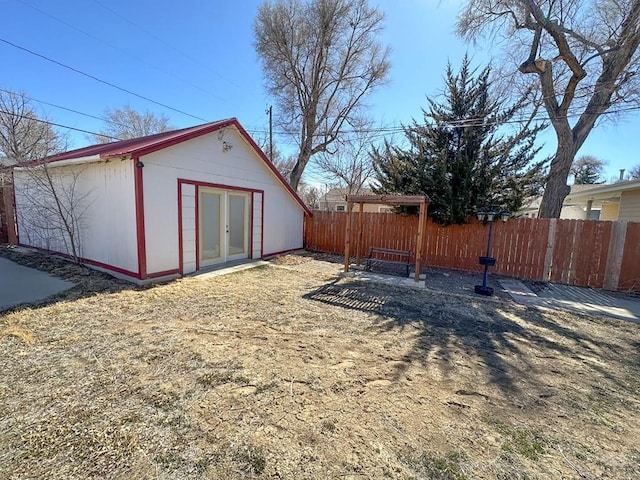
486	267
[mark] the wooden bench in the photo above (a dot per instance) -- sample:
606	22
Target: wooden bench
389	259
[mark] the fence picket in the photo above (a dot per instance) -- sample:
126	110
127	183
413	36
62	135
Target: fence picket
577	252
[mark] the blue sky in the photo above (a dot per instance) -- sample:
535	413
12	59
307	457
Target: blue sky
197	57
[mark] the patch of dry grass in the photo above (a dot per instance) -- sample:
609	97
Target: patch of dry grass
290	372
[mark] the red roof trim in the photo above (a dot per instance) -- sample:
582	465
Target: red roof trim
264	158
187	134
138	147
131	147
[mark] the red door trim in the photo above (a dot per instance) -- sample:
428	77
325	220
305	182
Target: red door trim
180	239
138	167
197	185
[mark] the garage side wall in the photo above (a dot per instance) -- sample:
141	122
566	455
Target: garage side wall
221	158
102	195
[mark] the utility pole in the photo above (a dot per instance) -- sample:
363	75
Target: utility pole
270	112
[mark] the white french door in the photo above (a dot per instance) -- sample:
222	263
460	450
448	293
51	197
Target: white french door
223	225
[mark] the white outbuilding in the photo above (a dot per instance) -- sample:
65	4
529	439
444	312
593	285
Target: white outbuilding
161	206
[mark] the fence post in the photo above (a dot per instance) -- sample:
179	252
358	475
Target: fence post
548	257
10	214
347	238
359	231
614	255
419	242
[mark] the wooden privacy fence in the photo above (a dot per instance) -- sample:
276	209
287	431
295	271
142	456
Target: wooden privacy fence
585	253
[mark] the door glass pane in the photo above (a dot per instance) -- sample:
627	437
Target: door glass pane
209	226
236	224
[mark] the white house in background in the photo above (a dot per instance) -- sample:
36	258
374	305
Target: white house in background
173	203
335	200
615	201
570	210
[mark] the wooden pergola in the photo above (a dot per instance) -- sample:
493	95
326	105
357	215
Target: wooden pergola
394	200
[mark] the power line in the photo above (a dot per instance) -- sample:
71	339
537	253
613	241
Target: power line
112	85
115	47
25	117
378	131
396	129
462	123
152	35
96	117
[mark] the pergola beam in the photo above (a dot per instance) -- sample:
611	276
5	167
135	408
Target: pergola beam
389	199
418	200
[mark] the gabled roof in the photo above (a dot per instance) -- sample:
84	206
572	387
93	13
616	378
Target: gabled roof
137	147
143	145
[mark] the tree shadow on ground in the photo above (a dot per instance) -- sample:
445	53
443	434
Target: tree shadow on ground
507	341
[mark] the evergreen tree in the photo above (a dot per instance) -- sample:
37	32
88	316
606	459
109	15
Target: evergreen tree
587	170
459	156
587	175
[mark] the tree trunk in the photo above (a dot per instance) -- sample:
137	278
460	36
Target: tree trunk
298	168
556	188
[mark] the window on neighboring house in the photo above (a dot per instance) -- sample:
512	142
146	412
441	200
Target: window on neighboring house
340	208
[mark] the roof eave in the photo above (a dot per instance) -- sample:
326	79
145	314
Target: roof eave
596	192
62	163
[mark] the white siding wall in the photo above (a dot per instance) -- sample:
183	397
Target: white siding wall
203	159
630	206
256	244
107	224
189	228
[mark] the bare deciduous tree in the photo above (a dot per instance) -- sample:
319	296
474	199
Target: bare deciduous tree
125	123
23	136
350	166
587	169
583	56
51	205
309	194
320	59
634	173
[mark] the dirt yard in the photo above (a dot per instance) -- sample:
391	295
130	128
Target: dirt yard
288	371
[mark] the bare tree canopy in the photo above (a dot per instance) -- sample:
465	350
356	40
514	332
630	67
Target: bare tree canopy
587	169
320	59
125	123
52	205
350	166
24	136
634	173
583	56
309	194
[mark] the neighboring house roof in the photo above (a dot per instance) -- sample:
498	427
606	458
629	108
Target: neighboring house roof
603	192
5	162
339	194
533	204
137	147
